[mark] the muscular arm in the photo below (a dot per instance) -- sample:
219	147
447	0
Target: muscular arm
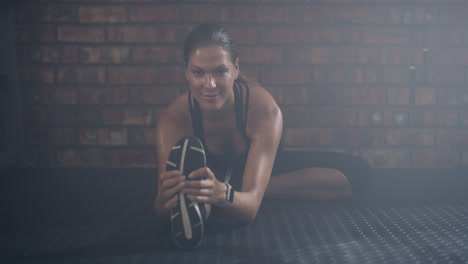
264	128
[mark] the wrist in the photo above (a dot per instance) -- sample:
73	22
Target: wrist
229	196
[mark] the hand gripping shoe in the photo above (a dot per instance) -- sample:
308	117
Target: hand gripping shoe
187	218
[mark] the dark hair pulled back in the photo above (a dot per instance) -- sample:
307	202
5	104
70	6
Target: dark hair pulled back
206	35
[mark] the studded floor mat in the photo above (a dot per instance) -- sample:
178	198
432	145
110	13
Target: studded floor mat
284	232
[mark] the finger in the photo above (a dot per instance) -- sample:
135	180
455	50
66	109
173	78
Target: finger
171	202
201	173
201	184
198	192
169	174
171	182
169	193
198	199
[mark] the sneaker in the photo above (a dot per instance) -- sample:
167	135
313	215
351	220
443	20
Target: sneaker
187	218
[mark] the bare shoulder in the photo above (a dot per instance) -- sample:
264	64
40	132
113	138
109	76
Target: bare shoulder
264	113
262	104
176	115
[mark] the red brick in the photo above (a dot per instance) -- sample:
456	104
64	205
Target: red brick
48	54
36	75
308	14
284	35
400	15
308	137
173	34
359	15
452	96
172	75
438	35
425	96
386	75
452	137
76	115
36	33
430	158
448	56
387	158
204	13
308	116
360	96
142	136
50	136
410	137
258	14
107	54
433	117
322	95
403	55
133	34
342	34
338	75
386	35
112	136
88	136
81	75
296	95
334	55
383	117
154	13
87	34
454	15
67	96
127	116
153	95
463	113
359	137
243	35
262	55
446	76
398	96
143	157
426	15
103	95
250	71
49	12
35	115
132	75
102	14
286	75
154	54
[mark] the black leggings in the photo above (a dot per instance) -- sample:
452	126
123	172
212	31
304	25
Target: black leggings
356	170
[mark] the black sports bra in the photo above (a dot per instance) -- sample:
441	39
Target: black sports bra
226	167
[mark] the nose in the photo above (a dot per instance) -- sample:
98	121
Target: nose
209	82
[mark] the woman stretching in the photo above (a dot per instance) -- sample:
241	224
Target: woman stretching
217	147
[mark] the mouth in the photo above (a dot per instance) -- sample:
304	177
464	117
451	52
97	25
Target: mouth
210	96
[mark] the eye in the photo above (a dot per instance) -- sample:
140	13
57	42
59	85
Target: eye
221	71
197	73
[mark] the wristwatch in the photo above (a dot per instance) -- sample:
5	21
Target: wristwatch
229	196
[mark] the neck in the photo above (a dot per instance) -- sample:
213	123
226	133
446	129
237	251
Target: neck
223	113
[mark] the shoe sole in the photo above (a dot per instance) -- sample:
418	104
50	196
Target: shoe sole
187	223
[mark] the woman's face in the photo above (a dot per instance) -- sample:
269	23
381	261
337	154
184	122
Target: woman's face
211	76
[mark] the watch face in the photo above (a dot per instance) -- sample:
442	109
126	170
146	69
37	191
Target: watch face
231	194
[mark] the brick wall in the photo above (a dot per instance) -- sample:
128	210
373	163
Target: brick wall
385	80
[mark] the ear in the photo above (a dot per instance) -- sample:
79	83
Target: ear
186	72
236	67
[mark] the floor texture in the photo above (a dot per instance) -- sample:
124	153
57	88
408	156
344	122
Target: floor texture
104	216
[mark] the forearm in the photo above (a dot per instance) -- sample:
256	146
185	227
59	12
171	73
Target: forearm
244	207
